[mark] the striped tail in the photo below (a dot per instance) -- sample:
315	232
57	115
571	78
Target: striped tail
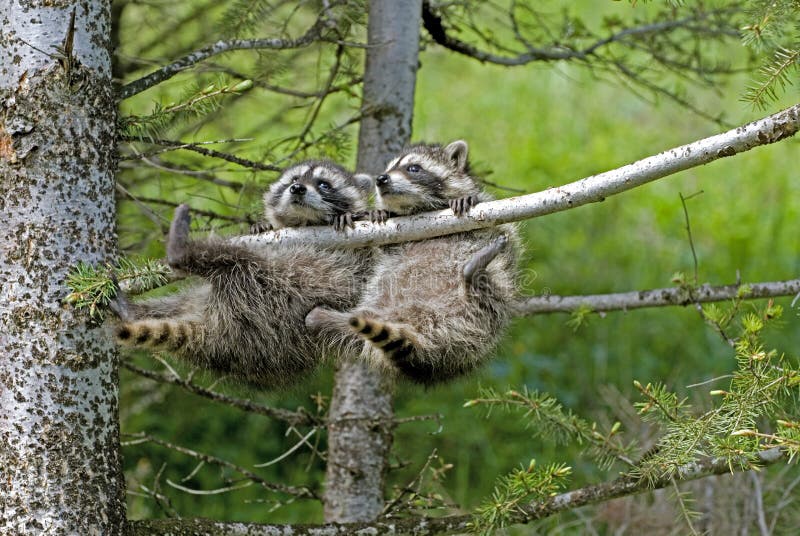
162	334
396	344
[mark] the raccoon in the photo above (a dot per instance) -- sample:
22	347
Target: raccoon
245	318
434	309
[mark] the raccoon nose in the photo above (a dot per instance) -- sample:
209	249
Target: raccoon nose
382	180
297	189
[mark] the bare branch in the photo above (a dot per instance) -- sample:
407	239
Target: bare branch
300	417
168	71
592	189
422	526
435	27
299	492
661	297
295	418
188	172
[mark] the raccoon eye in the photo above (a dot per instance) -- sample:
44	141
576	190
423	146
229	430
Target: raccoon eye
414	168
324	185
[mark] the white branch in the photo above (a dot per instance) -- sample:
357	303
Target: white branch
592	189
639	299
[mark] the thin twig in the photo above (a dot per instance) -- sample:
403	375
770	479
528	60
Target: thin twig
689	232
295	418
300	492
186	62
195	147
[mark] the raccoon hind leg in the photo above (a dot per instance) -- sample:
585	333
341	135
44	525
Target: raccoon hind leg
480	260
178	238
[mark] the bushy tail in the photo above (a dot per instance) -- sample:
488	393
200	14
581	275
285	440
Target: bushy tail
397	344
164	334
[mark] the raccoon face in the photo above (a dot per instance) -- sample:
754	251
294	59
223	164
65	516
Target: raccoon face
311	192
425	177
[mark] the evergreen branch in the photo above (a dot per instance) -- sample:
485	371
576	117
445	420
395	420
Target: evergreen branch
301	417
200	102
195	147
427	526
681	296
775	75
93	287
168	71
299	492
592	189
547	418
513	490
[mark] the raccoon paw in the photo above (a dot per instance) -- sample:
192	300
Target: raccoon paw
260	227
342	221
462	205
119	304
178	236
378	216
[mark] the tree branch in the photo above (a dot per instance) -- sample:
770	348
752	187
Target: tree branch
623	301
299	492
435	27
295	418
168	71
421	526
195	147
592	189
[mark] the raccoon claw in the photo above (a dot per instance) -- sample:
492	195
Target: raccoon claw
341	221
462	205
482	258
378	216
178	236
260	227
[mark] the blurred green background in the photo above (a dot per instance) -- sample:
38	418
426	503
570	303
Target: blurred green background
532	128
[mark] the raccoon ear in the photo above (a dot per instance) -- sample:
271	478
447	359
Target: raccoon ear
364	182
457	152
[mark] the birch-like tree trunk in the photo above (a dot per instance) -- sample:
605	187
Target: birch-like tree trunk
60	470
358	447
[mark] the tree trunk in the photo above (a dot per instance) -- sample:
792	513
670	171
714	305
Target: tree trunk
358	446
60	468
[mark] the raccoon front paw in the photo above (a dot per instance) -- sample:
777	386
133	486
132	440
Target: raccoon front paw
462	205
342	221
378	216
178	236
260	227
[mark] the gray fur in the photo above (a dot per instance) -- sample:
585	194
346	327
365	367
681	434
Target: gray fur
245	317
423	315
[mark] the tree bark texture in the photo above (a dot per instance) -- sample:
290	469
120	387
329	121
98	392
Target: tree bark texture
357	448
60	470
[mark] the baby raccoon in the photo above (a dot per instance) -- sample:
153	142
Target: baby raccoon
246	317
434	309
